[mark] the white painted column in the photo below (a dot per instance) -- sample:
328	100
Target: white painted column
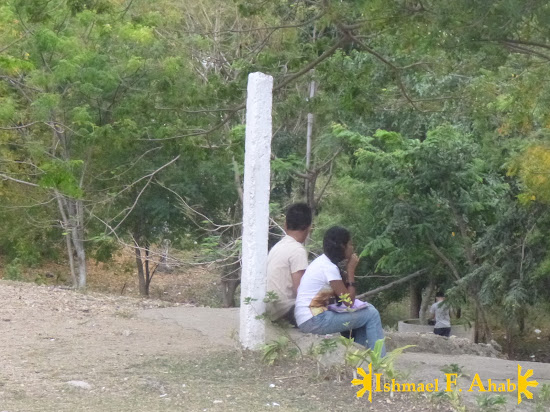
256	186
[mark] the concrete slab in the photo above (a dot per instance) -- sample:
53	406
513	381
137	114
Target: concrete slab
220	326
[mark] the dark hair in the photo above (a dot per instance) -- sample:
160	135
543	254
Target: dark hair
440	294
298	217
334	243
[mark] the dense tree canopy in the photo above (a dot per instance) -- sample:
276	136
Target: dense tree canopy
121	123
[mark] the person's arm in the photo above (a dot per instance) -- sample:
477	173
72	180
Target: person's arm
298	264
432	312
296	278
340	288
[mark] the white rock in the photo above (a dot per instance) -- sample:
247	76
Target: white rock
538	331
80	384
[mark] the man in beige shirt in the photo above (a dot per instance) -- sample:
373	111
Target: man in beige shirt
287	262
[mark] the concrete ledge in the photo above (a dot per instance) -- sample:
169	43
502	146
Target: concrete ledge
424	343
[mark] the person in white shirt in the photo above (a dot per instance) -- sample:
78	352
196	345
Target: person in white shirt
323	281
287	262
440	312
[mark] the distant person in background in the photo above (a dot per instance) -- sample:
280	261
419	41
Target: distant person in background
440	312
287	262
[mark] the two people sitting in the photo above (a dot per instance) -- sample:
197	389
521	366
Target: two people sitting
305	292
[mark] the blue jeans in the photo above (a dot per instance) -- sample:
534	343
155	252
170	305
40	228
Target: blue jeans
364	323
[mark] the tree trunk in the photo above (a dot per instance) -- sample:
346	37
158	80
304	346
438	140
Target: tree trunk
229	288
509	340
141	273
72	215
521	321
230	281
164	264
66	226
427	301
149	273
309	136
415	295
81	259
76	211
482	331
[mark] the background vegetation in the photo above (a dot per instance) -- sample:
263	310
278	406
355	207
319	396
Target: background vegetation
122	127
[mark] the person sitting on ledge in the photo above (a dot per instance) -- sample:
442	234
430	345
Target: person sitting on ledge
287	262
322	281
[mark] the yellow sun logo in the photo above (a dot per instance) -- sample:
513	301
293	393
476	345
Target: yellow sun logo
366	382
523	384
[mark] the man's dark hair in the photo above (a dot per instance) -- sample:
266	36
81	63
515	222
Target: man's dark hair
298	216
334	243
440	294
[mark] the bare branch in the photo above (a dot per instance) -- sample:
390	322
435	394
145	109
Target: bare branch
6	177
150	176
329	52
445	260
131	166
186	205
391	285
13	42
285	82
287	26
23	126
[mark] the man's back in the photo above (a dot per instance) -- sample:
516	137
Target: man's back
442	316
288	256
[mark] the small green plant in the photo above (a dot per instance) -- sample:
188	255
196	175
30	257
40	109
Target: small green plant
454	368
543	398
491	403
275	350
248	300
353	356
326	346
453	397
13	270
385	363
271	297
345	298
260	316
317	351
381	363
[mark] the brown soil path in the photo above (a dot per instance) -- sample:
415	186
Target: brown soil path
144	356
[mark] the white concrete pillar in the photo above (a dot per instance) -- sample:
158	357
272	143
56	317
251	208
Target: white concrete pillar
257	157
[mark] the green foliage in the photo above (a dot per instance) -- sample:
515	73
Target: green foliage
59	175
454	397
271	297
13	271
454	368
542	398
275	350
438	121
324	347
491	403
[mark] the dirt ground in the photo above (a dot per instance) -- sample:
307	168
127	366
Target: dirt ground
68	351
